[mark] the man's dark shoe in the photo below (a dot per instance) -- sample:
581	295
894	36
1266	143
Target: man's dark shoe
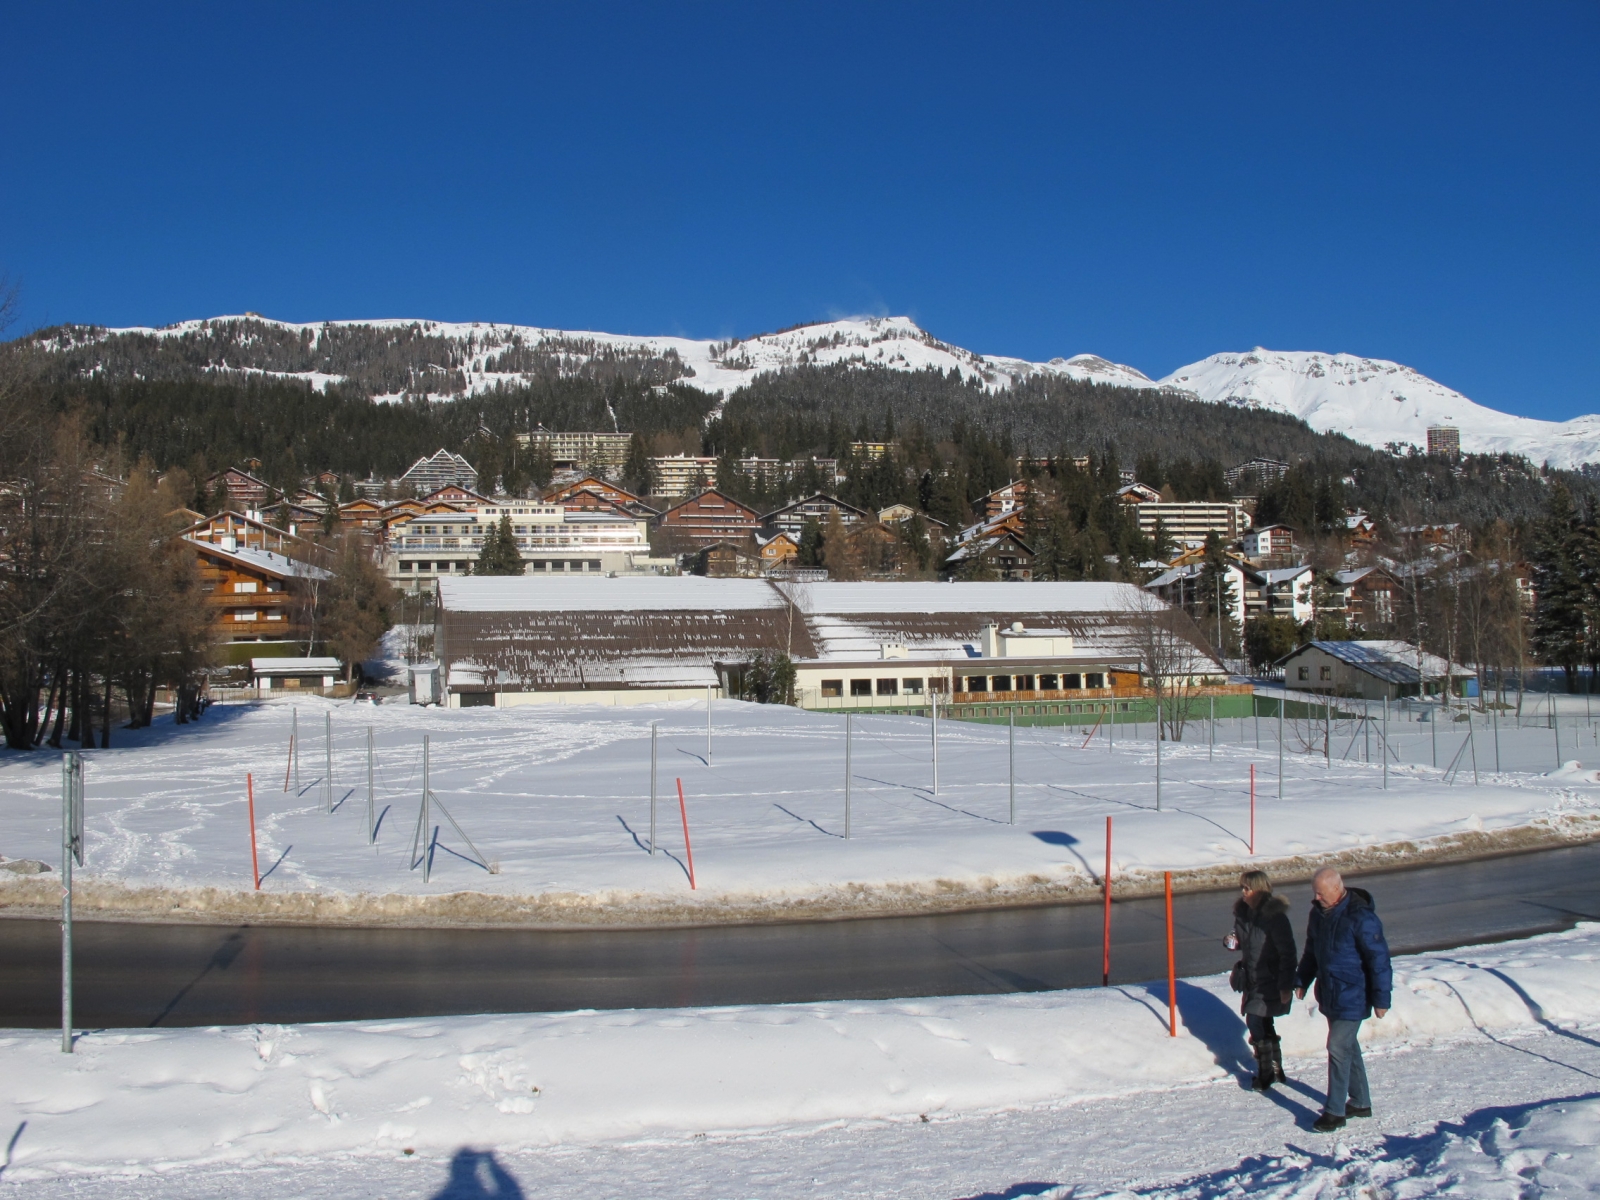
1327	1123
1355	1110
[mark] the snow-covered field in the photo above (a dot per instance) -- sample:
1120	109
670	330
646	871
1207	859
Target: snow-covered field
387	1108
557	801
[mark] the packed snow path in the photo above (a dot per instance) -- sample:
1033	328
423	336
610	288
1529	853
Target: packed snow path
1055	1095
558	801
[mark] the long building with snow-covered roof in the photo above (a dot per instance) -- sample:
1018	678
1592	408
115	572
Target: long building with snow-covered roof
1057	648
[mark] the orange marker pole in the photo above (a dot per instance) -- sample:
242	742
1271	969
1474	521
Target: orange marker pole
255	863
1105	935
683	811
1172	967
1252	808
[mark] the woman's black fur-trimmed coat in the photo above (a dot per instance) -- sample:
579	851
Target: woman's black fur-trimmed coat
1266	951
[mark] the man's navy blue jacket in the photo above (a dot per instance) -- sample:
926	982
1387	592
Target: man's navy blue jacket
1347	957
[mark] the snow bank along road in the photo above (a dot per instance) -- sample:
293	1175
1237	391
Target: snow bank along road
557	799
1051	1077
136	975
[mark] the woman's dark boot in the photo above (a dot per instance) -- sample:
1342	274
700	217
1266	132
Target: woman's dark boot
1275	1049
1262	1050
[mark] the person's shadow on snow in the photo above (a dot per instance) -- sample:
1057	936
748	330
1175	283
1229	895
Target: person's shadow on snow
475	1175
1222	1031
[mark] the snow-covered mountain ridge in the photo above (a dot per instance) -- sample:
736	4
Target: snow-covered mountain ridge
1369	400
1378	402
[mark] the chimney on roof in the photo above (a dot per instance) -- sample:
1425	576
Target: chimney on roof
230	543
989	641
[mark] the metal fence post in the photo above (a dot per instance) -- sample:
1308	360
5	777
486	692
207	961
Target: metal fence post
708	726
1386	741
1211	732
935	697
1011	765
372	829
847	776
71	849
1283	702
654	727
327	766
1158	753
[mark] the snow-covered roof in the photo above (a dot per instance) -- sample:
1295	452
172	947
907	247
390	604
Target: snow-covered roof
1282	574
295	666
262	560
650	593
1389	660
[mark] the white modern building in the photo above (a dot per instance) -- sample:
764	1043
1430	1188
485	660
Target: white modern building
551	538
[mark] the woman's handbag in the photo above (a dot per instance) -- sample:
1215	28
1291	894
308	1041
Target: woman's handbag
1236	976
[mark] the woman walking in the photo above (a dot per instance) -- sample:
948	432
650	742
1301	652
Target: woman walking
1265	972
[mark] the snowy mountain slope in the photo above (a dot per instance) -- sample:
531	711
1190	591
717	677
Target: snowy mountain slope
1371	400
485	355
1379	402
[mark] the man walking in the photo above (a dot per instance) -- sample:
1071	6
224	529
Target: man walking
1349	960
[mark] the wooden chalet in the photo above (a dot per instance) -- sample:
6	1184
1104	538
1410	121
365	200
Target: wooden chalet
1003	556
776	548
454	493
245	493
235	531
255	595
1369	595
792	518
1001	501
729	560
707	518
362	516
590	494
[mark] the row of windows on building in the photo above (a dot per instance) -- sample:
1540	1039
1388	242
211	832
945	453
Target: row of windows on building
902	686
532	564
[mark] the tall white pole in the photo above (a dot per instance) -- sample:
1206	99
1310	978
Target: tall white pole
1283	703
71	765
1211	732
327	745
427	817
1011	764
372	828
1158	753
935	698
654	728
294	743
847	776
1386	741
708	726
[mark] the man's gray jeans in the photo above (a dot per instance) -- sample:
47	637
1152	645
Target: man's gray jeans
1347	1074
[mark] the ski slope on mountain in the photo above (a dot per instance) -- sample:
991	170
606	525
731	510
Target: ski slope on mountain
1379	402
1374	401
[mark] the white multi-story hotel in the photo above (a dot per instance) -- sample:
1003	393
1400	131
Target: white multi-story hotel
551	539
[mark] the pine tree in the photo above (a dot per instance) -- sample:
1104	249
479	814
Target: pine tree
500	555
1219	598
1559	625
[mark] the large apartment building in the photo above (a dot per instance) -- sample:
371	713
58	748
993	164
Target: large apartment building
551	538
573	449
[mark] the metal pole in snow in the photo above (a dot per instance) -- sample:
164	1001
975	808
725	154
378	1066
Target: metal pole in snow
1283	702
1211	732
427	817
1433	735
1255	712
250	797
1386	741
935	698
1011	765
1555	724
1105	934
71	776
294	746
372	828
1158	753
1172	965
1327	731
708	726
1497	739
653	731
1252	808
1111	725
327	745
847	776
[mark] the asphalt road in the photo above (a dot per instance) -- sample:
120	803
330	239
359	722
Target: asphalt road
146	975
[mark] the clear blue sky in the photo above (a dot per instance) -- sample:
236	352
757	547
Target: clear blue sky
1153	183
